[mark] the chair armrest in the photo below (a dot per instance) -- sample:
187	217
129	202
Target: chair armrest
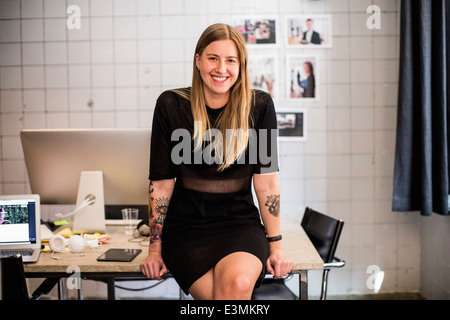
336	263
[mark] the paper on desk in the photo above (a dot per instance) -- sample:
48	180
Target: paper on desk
46	233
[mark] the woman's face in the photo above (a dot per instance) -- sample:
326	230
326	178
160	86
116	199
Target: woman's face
219	68
306	68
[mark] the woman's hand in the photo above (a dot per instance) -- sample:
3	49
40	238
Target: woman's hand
278	264
153	266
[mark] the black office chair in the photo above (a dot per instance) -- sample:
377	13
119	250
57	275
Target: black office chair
13	284
324	233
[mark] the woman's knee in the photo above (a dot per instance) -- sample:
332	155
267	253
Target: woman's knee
242	284
239	286
235	276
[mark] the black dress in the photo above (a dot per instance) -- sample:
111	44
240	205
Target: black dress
211	214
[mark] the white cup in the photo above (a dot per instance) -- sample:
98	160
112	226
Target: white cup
130	219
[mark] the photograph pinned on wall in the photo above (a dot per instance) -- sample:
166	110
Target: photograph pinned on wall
263	74
257	30
302	77
309	31
291	125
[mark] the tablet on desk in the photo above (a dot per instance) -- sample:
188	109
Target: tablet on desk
119	255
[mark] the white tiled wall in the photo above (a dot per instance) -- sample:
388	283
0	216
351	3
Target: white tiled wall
109	73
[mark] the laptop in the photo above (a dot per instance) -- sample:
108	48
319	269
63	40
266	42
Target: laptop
20	226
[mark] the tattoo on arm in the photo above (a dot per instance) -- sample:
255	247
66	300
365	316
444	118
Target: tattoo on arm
273	202
150	188
156	225
150	191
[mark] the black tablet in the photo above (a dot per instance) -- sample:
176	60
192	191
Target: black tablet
120	255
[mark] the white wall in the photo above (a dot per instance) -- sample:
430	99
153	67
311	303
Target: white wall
435	258
128	51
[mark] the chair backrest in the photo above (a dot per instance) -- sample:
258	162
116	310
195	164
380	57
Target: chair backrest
13	284
323	231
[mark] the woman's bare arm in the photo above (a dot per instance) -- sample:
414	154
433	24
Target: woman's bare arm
268	194
160	193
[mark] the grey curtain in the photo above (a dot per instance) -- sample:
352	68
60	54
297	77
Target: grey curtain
421	173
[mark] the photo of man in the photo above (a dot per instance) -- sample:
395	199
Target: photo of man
312	31
310	35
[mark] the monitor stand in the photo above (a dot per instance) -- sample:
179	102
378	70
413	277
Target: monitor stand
91	218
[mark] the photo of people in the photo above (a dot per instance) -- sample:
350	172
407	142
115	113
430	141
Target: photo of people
263	74
2	216
313	31
257	31
13	214
291	125
302	80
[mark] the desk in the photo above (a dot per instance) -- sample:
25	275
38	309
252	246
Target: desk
296	245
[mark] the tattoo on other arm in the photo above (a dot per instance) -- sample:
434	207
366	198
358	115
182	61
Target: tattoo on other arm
273	202
161	206
150	191
150	188
156	225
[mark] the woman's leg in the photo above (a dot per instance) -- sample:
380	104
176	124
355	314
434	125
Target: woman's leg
235	276
202	289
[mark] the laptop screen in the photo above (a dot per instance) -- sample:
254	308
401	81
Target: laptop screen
18	221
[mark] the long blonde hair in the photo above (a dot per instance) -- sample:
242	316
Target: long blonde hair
236	114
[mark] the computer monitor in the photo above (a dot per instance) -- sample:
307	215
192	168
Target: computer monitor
66	166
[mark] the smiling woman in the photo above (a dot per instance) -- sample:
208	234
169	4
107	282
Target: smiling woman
220	78
219	69
210	234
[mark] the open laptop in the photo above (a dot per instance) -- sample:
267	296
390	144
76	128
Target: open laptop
20	226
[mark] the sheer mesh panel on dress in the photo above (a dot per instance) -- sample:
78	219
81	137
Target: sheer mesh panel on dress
216	186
